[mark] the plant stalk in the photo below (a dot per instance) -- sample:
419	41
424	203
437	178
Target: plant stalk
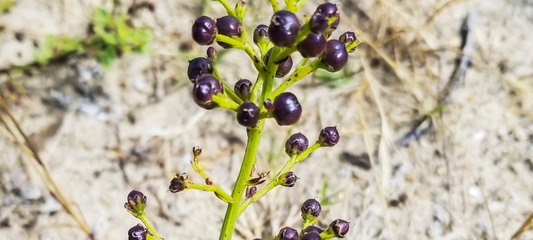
232	212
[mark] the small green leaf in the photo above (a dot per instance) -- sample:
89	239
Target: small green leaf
102	18
57	46
107	56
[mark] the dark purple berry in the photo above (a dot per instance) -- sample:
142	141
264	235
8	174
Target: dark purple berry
204	89
329	137
243	89
136	202
248	114
204	30
312	229
311	236
318	23
287	109
211	54
287	233
228	26
284	66
261	34
283	29
137	232
340	228
199	67
329	10
176	185
311	207
296	144
289	179
334	56
312	46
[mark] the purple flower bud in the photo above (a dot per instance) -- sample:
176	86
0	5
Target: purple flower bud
328	137
261	35
211	54
287	233
296	144
311	207
312	229
243	89
197	151
311	236
269	105
136	202
340	228
251	191
176	185
137	232
289	180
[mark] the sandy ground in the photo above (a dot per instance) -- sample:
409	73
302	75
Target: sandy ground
468	177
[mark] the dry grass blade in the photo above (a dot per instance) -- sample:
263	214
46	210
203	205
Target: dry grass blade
370	151
386	142
526	225
29	149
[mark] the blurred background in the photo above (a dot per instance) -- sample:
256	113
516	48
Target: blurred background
435	111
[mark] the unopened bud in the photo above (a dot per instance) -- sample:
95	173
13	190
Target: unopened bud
287	233
251	191
136	203
197	151
176	185
311	209
261	35
289	179
243	89
240	10
296	144
211	54
339	227
137	232
328	137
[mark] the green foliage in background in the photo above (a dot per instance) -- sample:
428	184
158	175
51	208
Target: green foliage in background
113	35
6	5
334	79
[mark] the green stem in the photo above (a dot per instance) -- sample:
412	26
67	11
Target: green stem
228	8
308	223
212	188
275	5
224	102
270	75
237	43
232	212
256	89
290	5
276	180
327	234
227	88
284	54
148	225
296	76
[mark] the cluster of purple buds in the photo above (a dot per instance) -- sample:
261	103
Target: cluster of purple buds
253	102
311	208
284	31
